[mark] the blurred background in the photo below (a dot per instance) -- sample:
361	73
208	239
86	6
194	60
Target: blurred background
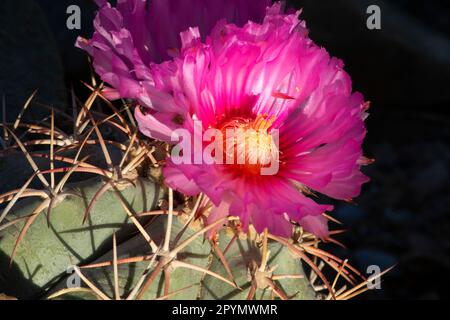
403	214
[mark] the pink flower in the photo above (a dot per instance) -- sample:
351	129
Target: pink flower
266	75
130	37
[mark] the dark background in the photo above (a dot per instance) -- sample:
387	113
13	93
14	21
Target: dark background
403	214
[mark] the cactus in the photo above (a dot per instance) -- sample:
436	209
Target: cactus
196	271
50	248
52	245
125	235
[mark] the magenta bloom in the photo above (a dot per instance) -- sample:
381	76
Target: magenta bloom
137	33
265	74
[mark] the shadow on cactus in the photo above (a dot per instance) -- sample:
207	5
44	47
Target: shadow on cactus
107	213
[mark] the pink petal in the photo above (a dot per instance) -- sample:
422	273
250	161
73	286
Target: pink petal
317	225
175	179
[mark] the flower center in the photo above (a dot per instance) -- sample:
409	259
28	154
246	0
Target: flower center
248	144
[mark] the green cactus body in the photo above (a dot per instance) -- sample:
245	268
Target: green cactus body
49	249
48	252
188	284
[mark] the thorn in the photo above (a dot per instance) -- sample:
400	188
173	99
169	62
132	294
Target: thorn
265	252
97	291
25	107
190	218
74	111
169	222
52	146
366	105
115	269
364	161
332	219
30	160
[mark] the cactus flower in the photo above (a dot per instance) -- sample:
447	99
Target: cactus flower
240	70
130	37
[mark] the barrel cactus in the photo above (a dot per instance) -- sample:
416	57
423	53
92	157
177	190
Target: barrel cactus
106	211
111	229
